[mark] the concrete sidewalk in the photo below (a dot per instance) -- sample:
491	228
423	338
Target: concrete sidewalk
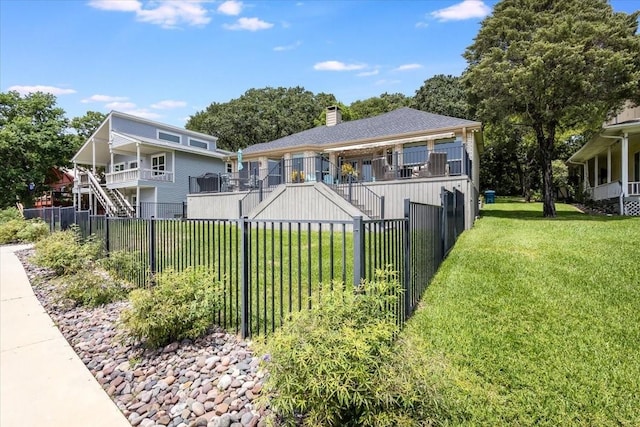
42	380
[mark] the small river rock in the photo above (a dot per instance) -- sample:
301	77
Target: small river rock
210	382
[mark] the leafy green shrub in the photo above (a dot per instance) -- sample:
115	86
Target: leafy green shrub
182	305
324	363
33	230
9	231
9	214
92	288
124	265
65	253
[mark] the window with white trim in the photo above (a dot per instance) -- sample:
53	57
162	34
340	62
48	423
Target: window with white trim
117	167
171	137
133	164
229	167
198	143
158	164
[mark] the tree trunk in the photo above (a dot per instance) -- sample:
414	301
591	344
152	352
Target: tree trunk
546	153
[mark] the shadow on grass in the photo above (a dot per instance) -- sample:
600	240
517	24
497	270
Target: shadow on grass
509	210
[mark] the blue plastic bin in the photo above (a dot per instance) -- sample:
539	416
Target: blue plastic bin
489	196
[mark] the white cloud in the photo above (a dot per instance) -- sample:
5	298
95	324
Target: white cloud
249	24
468	9
288	47
368	73
166	13
23	90
117	5
168	104
422	25
337	66
230	7
407	67
143	112
103	98
120	105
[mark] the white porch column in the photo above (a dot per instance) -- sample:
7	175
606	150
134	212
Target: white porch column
595	172
76	189
585	182
609	165
397	154
139	163
111	153
625	165
93	156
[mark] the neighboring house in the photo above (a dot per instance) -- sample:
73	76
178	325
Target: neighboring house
136	167
363	167
611	163
60	183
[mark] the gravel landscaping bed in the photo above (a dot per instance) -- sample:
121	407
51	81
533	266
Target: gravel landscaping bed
211	381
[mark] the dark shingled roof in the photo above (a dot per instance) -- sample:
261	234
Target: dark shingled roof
397	122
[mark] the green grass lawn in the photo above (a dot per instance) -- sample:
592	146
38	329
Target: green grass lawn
534	321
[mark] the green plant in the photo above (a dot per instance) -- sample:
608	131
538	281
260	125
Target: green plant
124	265
182	305
323	363
9	214
65	253
9	231
92	289
33	230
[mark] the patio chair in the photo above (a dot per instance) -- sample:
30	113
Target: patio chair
436	165
381	169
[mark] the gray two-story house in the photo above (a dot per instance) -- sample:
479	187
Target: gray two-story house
136	167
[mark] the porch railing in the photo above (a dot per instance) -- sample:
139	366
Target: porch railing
136	174
634	188
610	190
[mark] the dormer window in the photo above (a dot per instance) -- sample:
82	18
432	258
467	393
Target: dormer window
198	143
171	137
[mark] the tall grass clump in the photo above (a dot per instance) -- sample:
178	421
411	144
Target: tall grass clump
329	365
15	229
65	252
181	305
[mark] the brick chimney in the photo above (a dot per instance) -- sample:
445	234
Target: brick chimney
334	115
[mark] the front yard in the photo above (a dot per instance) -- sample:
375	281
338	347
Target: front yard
536	321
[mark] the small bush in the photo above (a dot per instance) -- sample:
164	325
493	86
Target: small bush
92	289
64	252
124	265
182	305
324	363
9	231
9	214
33	230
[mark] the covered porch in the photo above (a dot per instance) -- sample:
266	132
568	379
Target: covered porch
610	163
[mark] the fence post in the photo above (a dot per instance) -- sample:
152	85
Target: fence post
381	207
106	234
184	210
89	221
260	189
406	280
443	234
244	278
358	250
240	208
350	179
152	249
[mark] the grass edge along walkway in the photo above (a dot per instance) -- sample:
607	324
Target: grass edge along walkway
536	321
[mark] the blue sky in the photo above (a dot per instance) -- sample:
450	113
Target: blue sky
165	60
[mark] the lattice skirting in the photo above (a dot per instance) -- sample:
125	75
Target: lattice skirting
632	207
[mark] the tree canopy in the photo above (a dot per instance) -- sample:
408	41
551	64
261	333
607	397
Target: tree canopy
552	65
444	95
85	126
33	139
377	105
260	115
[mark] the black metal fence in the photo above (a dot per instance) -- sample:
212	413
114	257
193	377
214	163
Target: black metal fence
163	210
270	268
58	218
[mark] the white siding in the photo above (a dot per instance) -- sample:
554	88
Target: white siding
214	206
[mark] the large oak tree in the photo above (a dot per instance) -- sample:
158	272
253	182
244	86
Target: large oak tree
33	140
550	65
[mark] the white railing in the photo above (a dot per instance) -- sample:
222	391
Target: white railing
129	175
606	191
634	188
